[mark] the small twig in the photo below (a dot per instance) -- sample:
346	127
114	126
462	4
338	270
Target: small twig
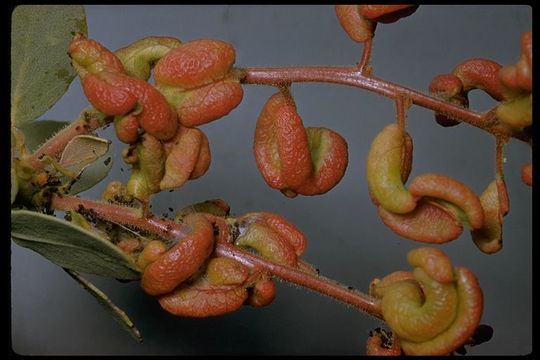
502	192
401	105
363	66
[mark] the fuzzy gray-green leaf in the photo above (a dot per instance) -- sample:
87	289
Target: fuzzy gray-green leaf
70	246
41	70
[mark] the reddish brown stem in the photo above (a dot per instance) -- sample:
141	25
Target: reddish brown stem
121	214
363	65
351	76
172	230
502	192
499	157
85	124
313	282
401	104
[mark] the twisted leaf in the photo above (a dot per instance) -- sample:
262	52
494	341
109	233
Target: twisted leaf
187	157
199	81
516	112
218	291
147	157
217	207
294	159
488	238
360	21
268	244
140	56
182	260
355	25
448	189
428	222
438	311
384	170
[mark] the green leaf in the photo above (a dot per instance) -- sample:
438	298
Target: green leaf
93	174
40	68
70	246
37	132
117	313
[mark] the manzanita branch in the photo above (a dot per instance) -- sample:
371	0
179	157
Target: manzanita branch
120	214
88	121
433	314
351	76
316	283
172	230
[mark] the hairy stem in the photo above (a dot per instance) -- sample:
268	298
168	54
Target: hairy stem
316	283
352	76
120	214
87	122
172	230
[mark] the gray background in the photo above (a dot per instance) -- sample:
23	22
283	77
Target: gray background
51	314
